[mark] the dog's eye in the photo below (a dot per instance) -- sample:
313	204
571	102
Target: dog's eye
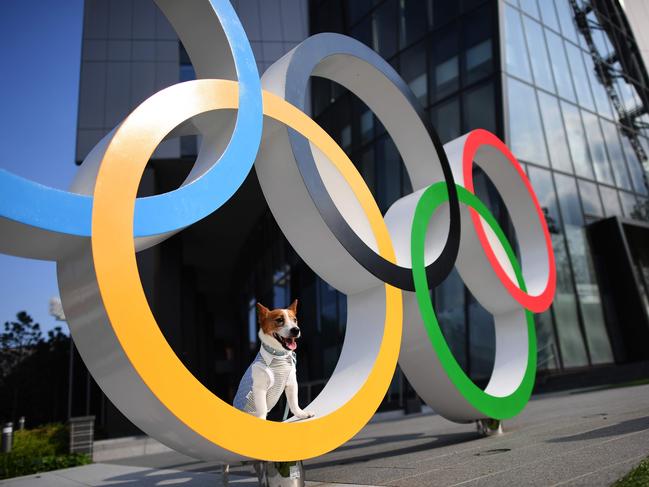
279	321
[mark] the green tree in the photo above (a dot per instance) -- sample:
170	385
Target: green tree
17	341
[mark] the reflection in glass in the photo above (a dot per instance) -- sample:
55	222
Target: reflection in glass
525	132
539	54
584	273
560	66
615	153
611	202
571	342
634	164
549	14
547	351
577	140
515	53
579	76
478	108
478	61
599	92
628	203
590	198
597	148
566	19
530	7
445	117
554	132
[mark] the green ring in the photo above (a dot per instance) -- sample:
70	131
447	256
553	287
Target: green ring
491	406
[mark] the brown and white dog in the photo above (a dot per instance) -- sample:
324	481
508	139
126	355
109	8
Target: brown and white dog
272	372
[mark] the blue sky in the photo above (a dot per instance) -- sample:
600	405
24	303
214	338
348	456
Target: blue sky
39	85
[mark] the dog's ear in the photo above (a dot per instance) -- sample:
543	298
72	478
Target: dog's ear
293	307
262	312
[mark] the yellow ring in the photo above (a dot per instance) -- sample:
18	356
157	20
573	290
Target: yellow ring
131	318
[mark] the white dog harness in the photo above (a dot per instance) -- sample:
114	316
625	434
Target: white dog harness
278	366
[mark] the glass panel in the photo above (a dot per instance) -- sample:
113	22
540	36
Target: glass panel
384	29
525	131
368	170
482	340
547	352
615	153
530	7
477	33
590	198
549	14
587	288
444	11
611	202
540	62
597	148
577	140
571	343
389	172
445	118
414	72
566	19
634	164
515	53
579	76
554	132
629	203
449	304
356	9
413	18
478	107
560	66
599	92
444	76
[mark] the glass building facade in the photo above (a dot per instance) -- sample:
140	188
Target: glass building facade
549	77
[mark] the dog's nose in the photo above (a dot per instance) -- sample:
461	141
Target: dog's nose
295	331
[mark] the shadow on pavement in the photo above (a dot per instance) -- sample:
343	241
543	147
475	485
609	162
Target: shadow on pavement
630	426
436	441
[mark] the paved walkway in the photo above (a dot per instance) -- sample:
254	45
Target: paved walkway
580	438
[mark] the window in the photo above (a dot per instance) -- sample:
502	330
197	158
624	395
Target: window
560	66
445	118
540	62
478	58
577	140
566	19
445	76
413	21
616	155
414	72
597	147
549	14
580	77
525	131
478	108
515	52
590	198
384	29
554	132
611	202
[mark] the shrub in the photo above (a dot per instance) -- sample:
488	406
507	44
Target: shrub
39	450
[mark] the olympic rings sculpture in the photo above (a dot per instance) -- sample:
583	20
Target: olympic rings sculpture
385	265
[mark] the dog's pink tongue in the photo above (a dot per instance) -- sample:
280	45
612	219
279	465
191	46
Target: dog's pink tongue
292	344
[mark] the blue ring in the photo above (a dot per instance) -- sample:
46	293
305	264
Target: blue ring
59	211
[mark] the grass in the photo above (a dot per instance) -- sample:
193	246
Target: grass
638	477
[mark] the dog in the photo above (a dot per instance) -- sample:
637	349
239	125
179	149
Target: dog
272	372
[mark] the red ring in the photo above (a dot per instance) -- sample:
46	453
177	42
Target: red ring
537	303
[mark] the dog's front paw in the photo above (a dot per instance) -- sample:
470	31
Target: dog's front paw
302	414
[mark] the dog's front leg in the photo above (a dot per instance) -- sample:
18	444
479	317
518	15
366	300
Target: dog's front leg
291	398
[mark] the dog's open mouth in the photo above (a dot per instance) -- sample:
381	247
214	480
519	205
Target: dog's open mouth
289	343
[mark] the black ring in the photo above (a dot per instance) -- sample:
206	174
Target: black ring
304	59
